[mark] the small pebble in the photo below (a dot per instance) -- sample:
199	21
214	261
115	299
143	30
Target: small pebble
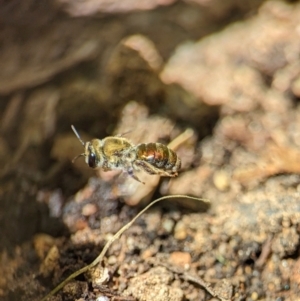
168	225
221	180
180	232
89	209
182	259
254	296
112	260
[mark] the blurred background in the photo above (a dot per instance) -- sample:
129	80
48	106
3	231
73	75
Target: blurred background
217	81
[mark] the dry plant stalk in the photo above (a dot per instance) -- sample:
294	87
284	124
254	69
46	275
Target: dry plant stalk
100	257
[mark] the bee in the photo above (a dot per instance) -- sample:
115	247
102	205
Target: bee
117	152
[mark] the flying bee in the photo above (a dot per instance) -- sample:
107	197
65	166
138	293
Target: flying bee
113	153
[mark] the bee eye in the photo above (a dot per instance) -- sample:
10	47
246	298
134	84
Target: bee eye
92	160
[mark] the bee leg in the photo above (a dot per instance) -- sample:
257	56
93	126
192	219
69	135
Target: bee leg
150	169
130	172
123	134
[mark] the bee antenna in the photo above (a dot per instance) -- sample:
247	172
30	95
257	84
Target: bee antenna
77	135
81	155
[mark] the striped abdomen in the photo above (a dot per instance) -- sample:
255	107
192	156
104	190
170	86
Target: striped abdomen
159	156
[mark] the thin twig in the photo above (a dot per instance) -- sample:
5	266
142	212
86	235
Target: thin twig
100	257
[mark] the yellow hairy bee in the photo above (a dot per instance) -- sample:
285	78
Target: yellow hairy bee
116	152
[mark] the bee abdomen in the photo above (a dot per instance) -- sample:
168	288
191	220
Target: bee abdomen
159	155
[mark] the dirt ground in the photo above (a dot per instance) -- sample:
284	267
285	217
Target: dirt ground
218	82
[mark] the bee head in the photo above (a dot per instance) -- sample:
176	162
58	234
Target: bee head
90	155
89	152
